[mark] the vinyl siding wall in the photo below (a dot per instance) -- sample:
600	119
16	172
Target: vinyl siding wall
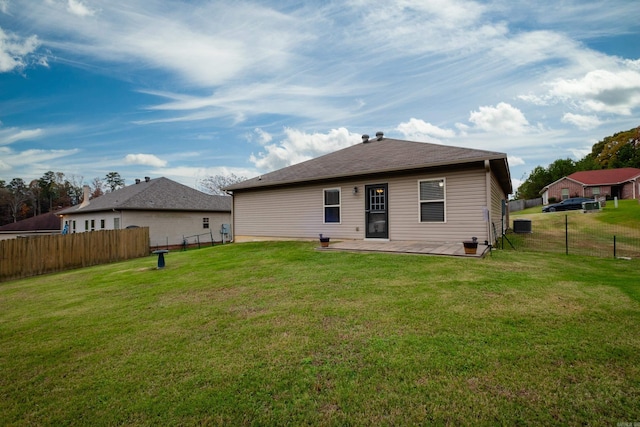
169	228
297	212
165	227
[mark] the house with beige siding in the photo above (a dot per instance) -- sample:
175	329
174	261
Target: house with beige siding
621	183
172	211
381	188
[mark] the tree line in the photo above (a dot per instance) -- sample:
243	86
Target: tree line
620	150
53	191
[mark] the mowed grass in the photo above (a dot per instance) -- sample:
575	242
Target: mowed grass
279	333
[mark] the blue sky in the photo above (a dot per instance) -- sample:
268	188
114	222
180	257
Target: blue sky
189	89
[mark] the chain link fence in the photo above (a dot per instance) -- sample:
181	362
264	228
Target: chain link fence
574	232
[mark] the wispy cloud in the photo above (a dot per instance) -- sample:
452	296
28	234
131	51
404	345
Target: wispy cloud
582	121
11	135
36	159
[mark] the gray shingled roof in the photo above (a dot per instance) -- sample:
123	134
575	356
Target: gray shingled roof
46	221
156	194
377	156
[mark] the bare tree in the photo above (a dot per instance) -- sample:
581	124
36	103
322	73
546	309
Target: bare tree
19	193
214	184
96	188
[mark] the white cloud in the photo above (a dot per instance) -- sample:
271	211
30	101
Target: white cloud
515	161
616	92
261	135
78	8
11	135
503	118
4	6
15	50
419	130
299	146
581	121
144	159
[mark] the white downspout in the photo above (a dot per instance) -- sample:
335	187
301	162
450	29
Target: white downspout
487	168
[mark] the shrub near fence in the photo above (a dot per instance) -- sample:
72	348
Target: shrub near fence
25	257
576	233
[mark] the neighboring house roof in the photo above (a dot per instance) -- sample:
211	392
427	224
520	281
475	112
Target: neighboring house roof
379	155
47	221
599	177
605	176
154	194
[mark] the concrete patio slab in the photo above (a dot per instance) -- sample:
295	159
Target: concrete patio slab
406	247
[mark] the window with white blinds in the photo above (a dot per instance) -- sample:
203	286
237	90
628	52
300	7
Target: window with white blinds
432	198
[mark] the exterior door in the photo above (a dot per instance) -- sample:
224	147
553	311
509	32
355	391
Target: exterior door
376	216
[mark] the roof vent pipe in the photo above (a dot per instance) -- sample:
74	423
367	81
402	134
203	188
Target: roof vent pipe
137	181
365	138
379	135
147	179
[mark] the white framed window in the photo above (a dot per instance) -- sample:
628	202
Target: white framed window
116	223
565	193
205	222
86	225
102	224
331	205
595	191
432	200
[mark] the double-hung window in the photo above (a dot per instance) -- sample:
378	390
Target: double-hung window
432	198
332	205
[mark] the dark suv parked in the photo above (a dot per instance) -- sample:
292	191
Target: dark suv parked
574	203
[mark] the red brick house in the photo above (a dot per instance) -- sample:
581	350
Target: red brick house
622	183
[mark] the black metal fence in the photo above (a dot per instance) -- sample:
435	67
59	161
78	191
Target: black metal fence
573	233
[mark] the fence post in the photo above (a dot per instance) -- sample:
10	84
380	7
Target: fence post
614	245
566	234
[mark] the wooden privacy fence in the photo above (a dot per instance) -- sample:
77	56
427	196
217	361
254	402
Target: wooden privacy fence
30	256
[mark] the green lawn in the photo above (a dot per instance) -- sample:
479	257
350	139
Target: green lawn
284	334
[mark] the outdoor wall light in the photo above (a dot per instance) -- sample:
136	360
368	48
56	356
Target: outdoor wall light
355	190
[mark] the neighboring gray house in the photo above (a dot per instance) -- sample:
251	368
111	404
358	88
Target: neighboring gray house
382	188
171	210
